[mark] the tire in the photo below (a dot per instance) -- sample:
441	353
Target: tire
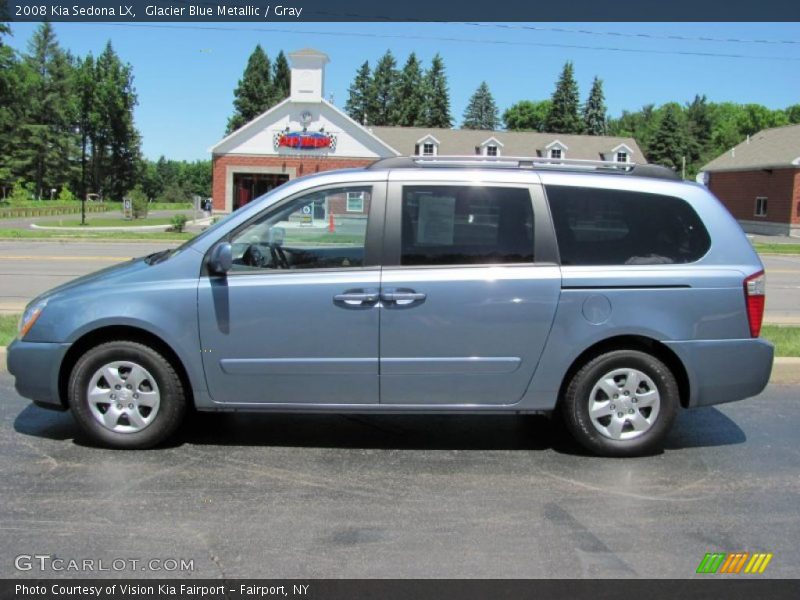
622	403
126	395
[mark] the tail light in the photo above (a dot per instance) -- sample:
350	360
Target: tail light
755	288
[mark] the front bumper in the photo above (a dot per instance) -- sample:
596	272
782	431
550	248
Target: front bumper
35	367
725	370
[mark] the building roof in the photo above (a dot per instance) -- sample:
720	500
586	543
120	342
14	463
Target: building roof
769	148
512	143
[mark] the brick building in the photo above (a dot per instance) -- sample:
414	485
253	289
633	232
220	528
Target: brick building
759	181
306	134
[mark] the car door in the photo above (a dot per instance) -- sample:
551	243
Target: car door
295	320
470	287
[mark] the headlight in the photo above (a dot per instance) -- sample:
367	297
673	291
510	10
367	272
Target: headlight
32	312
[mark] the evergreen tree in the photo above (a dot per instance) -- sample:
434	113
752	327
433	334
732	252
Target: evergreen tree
409	95
669	142
116	153
45	141
11	103
527	116
281	78
383	88
360	100
563	116
88	117
436	108
699	129
481	112
255	93
594	111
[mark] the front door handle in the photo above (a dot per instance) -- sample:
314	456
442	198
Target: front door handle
357	297
402	297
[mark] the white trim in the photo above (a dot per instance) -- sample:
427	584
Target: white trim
558	143
231	170
763	214
427	137
247	126
627	148
492	141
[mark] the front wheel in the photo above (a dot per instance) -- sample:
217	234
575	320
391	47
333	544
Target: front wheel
126	395
621	403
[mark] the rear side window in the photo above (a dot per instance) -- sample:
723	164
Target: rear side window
462	225
613	227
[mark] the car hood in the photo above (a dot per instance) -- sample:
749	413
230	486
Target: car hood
124	269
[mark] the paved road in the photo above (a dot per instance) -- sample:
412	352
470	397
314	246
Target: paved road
28	268
334	496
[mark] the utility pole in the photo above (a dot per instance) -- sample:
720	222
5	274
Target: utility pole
683	167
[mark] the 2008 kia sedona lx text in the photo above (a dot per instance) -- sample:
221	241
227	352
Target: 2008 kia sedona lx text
615	294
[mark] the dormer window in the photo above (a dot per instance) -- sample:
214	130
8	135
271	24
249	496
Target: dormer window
556	150
621	154
490	147
427	146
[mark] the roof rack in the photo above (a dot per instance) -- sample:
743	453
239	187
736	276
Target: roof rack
525	162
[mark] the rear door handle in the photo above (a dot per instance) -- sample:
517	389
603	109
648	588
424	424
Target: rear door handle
402	297
357	297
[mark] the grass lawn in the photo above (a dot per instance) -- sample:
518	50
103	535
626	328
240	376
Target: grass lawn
777	248
786	339
107	222
88	234
8	328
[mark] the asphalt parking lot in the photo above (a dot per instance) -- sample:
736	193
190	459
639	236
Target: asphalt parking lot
403	496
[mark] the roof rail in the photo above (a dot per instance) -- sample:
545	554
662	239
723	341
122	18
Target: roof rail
525	162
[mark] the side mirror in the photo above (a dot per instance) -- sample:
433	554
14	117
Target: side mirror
221	259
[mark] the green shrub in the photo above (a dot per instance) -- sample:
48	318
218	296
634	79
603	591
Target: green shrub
66	195
179	223
21	192
138	202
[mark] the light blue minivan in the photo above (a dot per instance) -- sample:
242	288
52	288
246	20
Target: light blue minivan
615	294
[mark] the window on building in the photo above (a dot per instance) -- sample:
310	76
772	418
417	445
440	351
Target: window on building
622	157
291	236
555	153
355	202
615	227
463	225
761	207
428	149
491	150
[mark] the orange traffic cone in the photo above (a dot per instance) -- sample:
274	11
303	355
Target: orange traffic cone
331	223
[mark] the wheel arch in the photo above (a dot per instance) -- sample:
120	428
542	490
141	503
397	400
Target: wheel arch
633	342
126	333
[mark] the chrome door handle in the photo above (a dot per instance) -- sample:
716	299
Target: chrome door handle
357	298
402	297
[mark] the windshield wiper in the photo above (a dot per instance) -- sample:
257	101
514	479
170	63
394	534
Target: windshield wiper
157	257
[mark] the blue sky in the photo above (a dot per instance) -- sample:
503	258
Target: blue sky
185	76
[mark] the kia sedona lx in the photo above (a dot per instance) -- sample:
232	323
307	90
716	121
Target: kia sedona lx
612	294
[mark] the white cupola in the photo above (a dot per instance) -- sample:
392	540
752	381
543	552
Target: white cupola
308	75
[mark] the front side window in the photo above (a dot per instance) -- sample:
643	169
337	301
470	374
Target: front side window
616	227
315	231
463	225
761	207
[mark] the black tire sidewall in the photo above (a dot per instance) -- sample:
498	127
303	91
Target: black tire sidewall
576	403
172	404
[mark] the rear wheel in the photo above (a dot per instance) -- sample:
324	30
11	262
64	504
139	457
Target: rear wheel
621	403
126	395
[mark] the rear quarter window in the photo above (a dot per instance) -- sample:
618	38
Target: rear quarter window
615	227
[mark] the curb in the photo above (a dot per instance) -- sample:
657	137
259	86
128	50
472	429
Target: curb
785	370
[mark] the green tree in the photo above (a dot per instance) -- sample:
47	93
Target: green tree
88	117
641	125
383	89
409	95
436	108
281	78
526	115
481	112
359	101
254	94
11	105
669	142
594	111
793	114
699	131
116	153
46	141
563	116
